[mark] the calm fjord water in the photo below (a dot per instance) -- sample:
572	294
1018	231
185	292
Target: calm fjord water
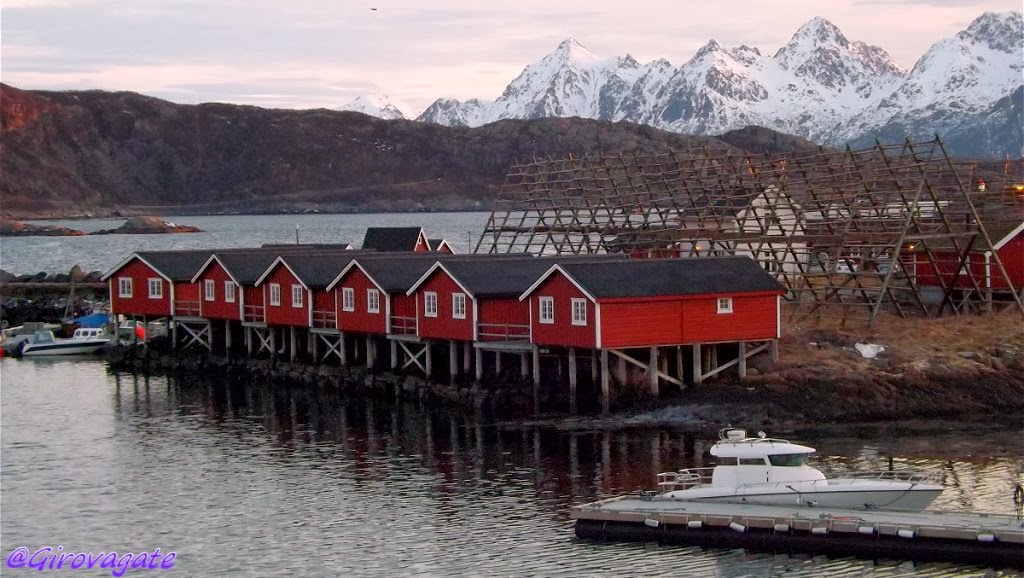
247	480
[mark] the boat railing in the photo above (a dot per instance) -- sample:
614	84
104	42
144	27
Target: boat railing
683	479
912	476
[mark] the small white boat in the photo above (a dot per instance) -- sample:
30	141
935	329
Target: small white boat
85	341
769	471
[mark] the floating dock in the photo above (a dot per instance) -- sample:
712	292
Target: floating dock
987	539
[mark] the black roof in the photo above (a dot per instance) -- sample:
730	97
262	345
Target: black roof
391	238
177	265
319	269
660	277
513	274
397	274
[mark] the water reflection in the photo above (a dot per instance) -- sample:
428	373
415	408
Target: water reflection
248	480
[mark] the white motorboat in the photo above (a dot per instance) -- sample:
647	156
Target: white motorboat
84	341
763	470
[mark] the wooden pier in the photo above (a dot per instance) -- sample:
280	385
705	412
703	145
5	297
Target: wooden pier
966	537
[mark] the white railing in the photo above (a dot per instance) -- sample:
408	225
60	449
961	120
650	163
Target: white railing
696	477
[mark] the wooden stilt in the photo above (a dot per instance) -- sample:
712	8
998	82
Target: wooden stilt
428	362
343	349
369	352
227	337
741	360
680	373
536	365
524	365
593	365
394	353
775	350
622	370
605	383
273	341
697	372
497	363
467	355
652	371
453	359
478	356
572	381
248	341
311	345
293	343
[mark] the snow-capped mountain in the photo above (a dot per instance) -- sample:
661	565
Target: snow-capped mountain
820	85
378	104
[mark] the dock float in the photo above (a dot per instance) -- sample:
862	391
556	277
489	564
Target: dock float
994	540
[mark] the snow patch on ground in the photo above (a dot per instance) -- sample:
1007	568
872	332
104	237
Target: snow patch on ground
869	350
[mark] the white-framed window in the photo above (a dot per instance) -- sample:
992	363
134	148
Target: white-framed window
124	287
156	288
579	311
348	299
275	294
429	304
458	305
547	310
725	304
209	289
229	292
297	293
372	301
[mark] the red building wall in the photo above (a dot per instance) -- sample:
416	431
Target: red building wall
641	323
360	320
325	314
139	303
1012	256
253	309
218	308
186	298
285	314
562	332
508	319
753	317
444	326
403	314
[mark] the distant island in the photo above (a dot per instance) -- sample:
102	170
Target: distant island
134	226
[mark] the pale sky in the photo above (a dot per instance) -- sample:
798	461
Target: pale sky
324	53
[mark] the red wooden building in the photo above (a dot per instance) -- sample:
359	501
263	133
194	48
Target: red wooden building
156	283
945	267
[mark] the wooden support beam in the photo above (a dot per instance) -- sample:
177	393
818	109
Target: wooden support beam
247	337
622	370
593	365
467	355
370	353
775	351
536	365
680	368
497	363
293	344
696	358
741	360
478	358
311	344
453	359
429	362
227	337
524	365
394	354
572	381
605	383
343	349
652	370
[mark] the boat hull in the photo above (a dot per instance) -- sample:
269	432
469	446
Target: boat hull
85	347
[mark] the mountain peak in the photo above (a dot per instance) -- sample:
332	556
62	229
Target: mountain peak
1000	31
571	49
378	104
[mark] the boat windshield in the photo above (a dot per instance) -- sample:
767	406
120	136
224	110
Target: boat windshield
787	460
